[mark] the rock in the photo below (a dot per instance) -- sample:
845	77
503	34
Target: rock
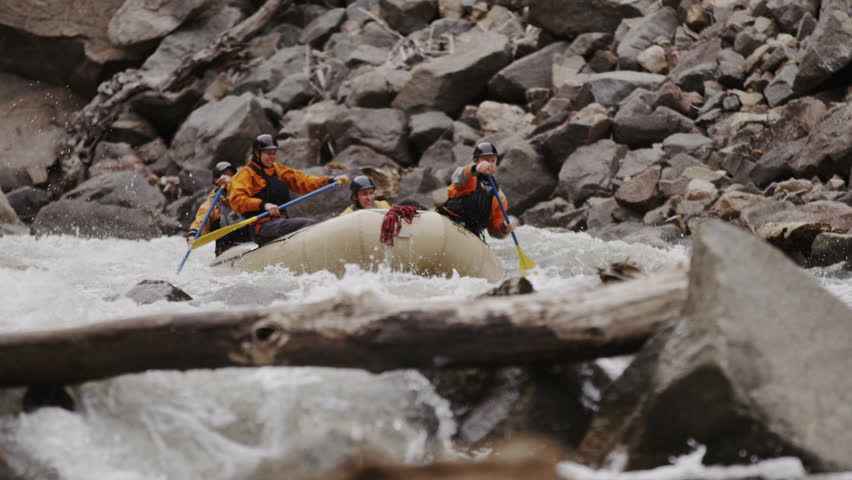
97	220
730	68
638	126
568	18
219	131
640	192
653	59
416	188
269	74
407	16
27	201
377	88
828	149
343	44
693	144
300	152
586	127
738	310
637	161
7	212
532	71
132	129
830	46
775	164
317	32
731	204
610	88
440	159
524	177
13	178
602	213
138	21
671	96
501	117
544	214
510	286
33	107
425	128
636	34
357	156
150	291
830	248
382	129
589	171
780	89
295	91
450	82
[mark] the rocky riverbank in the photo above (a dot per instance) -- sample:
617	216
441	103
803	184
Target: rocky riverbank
635	120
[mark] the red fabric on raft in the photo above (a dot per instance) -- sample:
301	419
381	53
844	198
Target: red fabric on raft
392	223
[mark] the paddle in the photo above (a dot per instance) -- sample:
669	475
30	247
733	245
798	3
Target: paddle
230	228
527	265
201	228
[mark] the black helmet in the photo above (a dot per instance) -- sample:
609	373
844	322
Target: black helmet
220	168
265	142
361	182
484	148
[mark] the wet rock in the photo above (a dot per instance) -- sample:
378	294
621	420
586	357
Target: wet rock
450	82
150	291
219	131
96	220
27	201
13	178
830	248
7	213
511	286
723	346
589	171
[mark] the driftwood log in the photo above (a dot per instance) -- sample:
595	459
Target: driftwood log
357	332
118	93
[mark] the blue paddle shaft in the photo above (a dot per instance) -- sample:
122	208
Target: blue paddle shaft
500	202
203	223
297	200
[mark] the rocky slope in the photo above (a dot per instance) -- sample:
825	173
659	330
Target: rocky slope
631	119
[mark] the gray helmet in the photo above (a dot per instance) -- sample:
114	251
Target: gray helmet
484	148
265	142
220	168
361	182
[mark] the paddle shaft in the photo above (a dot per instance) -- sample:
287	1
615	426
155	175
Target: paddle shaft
502	208
203	223
230	228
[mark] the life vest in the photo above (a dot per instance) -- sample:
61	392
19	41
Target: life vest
275	192
472	210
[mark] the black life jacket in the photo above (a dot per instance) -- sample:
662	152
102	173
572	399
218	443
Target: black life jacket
275	191
227	217
472	210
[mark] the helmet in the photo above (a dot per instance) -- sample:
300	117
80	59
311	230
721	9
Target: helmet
484	148
220	168
361	182
264	142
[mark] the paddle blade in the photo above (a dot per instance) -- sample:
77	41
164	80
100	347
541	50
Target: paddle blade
217	234
527	265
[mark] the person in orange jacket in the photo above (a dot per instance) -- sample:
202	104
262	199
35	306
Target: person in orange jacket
263	184
471	202
221	216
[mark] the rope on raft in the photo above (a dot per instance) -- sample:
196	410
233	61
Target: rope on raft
392	223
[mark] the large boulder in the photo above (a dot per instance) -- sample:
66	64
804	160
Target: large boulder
589	171
219	131
28	107
638	125
382	129
450	82
829	47
139	21
532	71
270	73
636	34
828	150
753	327
610	88
407	16
568	18
524	177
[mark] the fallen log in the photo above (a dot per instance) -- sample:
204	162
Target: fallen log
360	331
119	92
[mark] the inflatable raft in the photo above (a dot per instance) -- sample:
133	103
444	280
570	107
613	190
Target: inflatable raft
431	245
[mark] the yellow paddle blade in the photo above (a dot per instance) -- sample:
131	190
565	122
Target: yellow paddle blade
217	234
527	265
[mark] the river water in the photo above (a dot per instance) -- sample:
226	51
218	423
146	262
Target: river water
245	423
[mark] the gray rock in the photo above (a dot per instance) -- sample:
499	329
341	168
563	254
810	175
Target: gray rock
317	32
126	189
586	127
830	248
295	91
829	49
693	144
377	88
138	21
640	192
382	129
450	82
589	171
440	159
219	131
788	13
828	150
132	129
731	68
636	34
568	18
407	16
342	45
416	188
610	88
524	177
780	89
7	212
426	128
97	220
739	290
638	126
150	291
13	178
357	156
586	44
266	76
300	152
544	214
637	161
532	71
27	201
